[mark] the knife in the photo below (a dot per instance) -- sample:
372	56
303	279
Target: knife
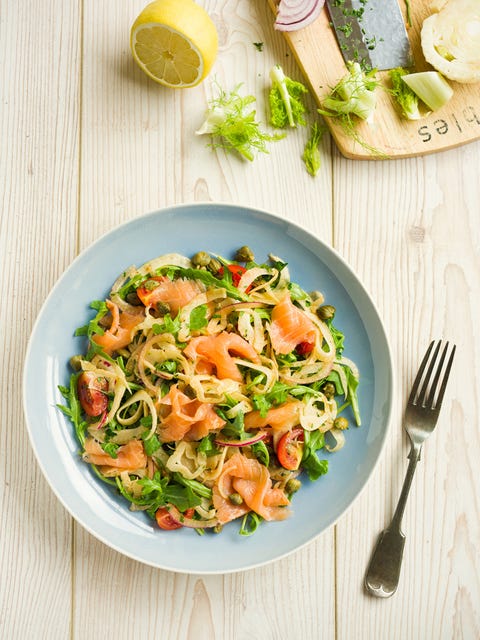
371	32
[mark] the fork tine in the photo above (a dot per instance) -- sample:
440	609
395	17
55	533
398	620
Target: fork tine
429	399
422	395
441	393
421	369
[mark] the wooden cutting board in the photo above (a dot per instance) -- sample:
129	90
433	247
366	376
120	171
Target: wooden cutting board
316	50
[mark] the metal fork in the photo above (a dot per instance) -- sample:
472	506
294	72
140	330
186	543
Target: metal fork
421	417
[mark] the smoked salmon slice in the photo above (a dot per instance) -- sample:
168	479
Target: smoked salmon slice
284	417
183	418
290	326
130	457
213	354
280	419
176	293
119	334
251	480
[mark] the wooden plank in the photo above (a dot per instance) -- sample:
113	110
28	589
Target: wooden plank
39	126
139	153
410	230
457	123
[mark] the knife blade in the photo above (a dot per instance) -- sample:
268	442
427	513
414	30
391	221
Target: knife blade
371	32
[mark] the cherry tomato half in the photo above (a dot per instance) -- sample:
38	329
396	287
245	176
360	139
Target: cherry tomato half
148	293
237	272
165	520
304	348
290	449
92	393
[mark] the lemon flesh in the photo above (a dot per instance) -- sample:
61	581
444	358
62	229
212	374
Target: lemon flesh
174	42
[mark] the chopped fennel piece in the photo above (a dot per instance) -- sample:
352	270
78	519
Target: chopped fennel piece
450	39
233	126
311	153
431	87
406	98
354	94
285	97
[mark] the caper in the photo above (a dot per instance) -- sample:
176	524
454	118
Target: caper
162	308
201	259
217	528
235	498
133	299
76	363
329	390
316	296
244	254
326	312
293	485
150	284
340	423
214	266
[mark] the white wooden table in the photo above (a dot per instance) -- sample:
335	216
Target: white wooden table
87	142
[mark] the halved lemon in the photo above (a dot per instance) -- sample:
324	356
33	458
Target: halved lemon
175	42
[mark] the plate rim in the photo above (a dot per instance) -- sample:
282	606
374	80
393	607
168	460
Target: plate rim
266	214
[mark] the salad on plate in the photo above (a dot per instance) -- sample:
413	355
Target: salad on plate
209	389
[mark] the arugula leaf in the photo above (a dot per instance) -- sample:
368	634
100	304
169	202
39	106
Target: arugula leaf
158	491
278	395
261	452
132	285
350	392
73	408
235	429
284	360
207	446
197	487
170	366
296	292
250	523
110	448
352	384
210	280
198	317
182	497
150	442
169	325
110	481
146	421
93	326
310	462
338	337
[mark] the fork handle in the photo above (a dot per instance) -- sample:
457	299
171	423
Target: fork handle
383	572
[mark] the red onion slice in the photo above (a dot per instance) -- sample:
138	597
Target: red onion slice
297	14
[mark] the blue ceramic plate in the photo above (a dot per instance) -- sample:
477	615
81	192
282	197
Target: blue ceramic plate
220	229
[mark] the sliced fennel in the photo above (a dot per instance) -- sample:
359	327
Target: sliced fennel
451	39
354	94
352	98
231	123
431	87
286	99
406	98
